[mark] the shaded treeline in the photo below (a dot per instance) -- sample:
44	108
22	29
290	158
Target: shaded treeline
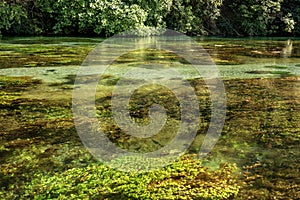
192	17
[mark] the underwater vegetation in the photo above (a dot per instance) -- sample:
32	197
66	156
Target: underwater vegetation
42	156
256	157
30	52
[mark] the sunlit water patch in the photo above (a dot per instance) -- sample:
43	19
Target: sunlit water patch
235	58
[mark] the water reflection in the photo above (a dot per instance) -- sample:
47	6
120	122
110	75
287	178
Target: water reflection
288	49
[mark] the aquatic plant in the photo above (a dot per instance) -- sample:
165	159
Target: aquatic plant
41	155
184	179
276	66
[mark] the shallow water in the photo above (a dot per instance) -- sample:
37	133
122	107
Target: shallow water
261	78
52	59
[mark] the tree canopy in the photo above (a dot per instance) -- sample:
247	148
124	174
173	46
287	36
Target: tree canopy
192	17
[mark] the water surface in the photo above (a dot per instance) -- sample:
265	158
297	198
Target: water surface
261	133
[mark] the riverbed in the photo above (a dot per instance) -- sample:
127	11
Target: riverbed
261	134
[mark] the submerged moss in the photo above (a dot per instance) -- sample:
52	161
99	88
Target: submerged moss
259	72
42	156
276	67
280	73
262	124
146	55
39	55
186	178
17	84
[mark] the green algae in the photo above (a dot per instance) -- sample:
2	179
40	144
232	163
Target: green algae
18	53
14	84
39	145
276	67
279	73
262	124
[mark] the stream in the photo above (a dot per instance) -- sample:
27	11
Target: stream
261	76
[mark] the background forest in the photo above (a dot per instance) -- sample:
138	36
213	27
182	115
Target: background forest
191	17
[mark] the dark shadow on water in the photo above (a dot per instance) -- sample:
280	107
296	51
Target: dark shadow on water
279	73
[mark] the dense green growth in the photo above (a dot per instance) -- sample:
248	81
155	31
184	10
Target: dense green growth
108	17
42	156
267	17
185	179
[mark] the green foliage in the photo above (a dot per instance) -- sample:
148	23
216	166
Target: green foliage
251	17
145	31
108	17
184	179
193	17
27	17
10	15
101	17
156	11
255	18
291	10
